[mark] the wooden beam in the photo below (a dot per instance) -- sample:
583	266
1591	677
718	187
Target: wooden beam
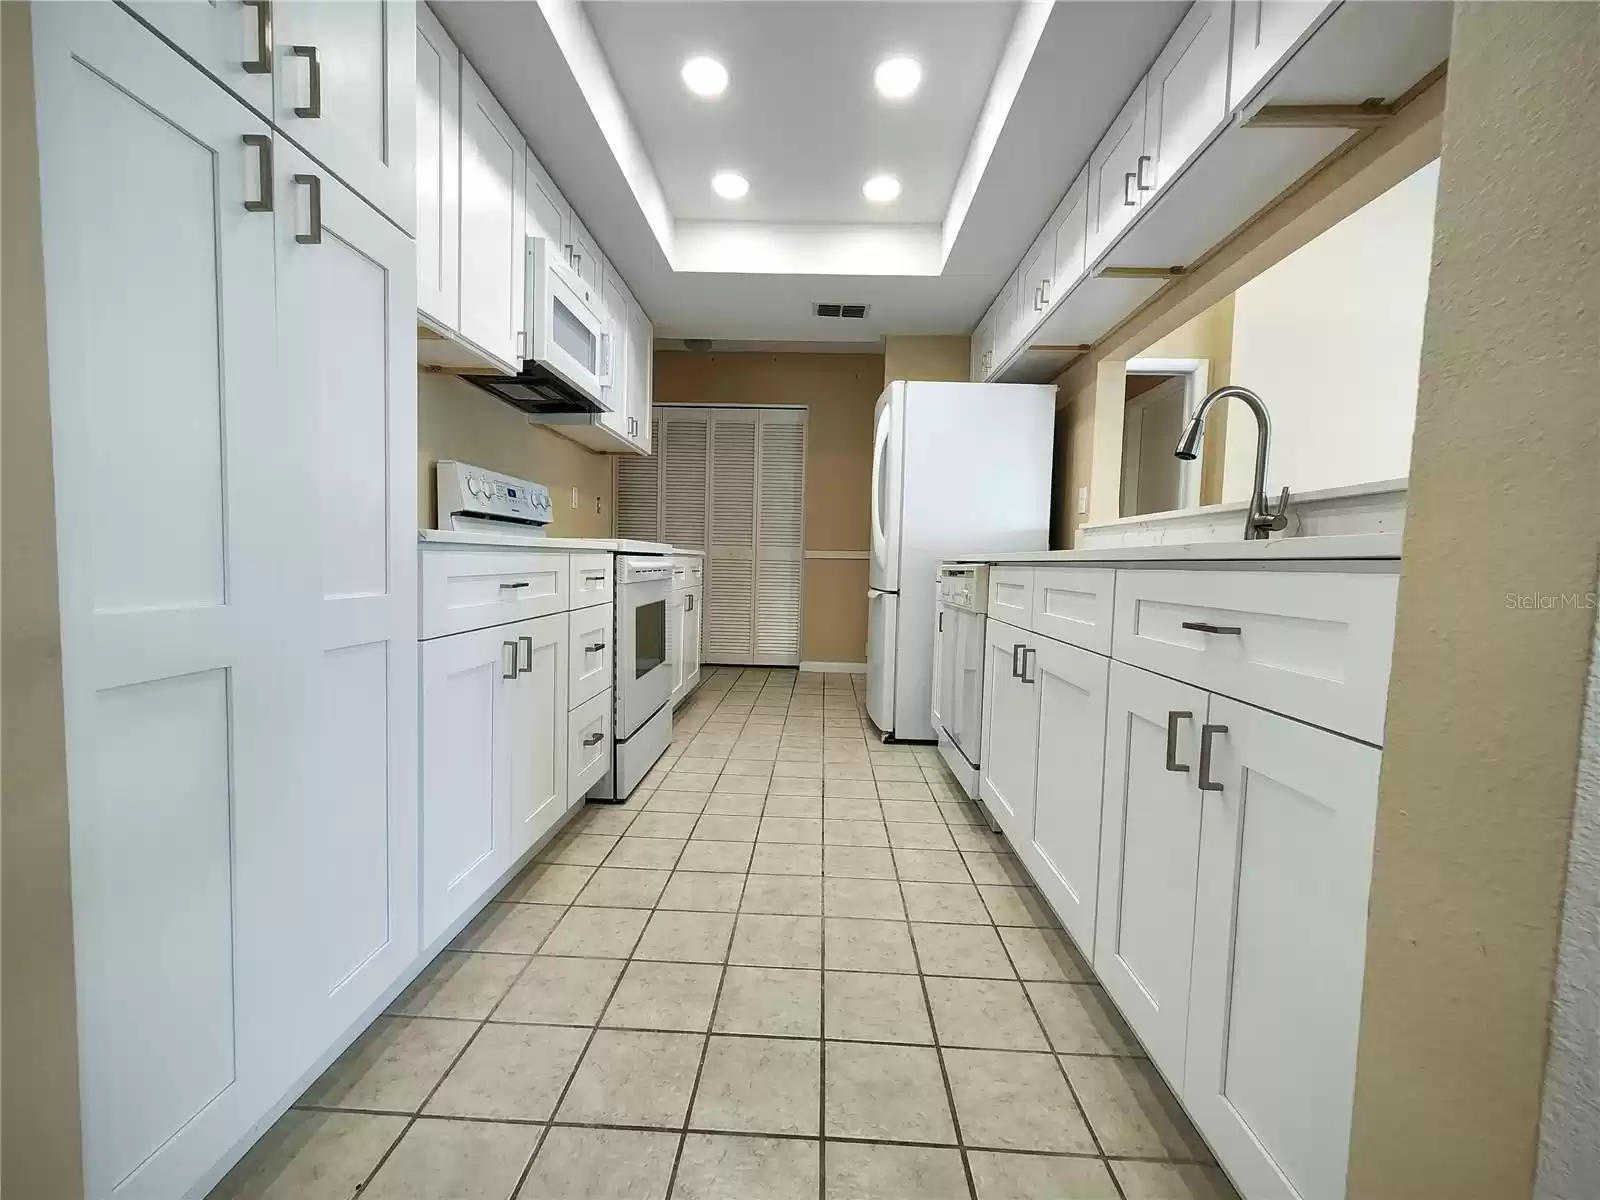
1140	272
1369	114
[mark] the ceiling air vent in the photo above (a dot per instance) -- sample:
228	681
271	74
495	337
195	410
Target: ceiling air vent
848	312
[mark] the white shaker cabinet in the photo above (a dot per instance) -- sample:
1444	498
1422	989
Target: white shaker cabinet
589	653
345	91
583	252
537	728
1010	731
640	366
614	301
1063	851
230	39
1070	228
1113	174
1150	841
690	645
1279	947
438	72
493	245
548	215
1264	31
1186	95
469	707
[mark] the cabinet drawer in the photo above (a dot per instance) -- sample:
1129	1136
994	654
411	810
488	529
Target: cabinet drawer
1011	595
1073	605
474	589
593	579
588	653
588	746
1311	645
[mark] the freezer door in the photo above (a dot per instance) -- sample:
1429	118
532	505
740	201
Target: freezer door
882	614
888	439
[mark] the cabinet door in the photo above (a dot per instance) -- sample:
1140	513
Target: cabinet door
538	730
943	663
1007	319
613	356
982	344
1035	272
1186	96
1113	175
691	651
588	746
1064	853
1071	239
1010	732
168	539
547	214
1150	841
1264	32
346	321
584	252
231	39
468	701
589	652
438	172
1280	942
493	261
677	606
345	91
641	374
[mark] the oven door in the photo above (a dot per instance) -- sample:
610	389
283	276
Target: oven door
644	677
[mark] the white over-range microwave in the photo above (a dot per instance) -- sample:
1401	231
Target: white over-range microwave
567	347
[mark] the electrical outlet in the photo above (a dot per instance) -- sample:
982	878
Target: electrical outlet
574	497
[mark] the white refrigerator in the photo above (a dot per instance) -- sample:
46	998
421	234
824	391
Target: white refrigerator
956	468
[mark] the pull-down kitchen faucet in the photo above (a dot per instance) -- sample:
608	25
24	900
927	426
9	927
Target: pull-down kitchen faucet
1261	518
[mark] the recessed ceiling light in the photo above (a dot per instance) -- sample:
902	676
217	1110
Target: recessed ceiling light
705	76
881	189
896	78
730	185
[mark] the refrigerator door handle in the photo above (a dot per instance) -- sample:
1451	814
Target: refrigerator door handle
879	455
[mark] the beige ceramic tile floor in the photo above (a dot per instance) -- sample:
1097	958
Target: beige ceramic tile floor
795	964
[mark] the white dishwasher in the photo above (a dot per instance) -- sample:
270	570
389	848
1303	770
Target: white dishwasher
958	671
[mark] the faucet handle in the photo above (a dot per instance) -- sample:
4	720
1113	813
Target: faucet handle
1276	518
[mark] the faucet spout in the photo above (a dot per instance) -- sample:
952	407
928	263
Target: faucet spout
1262	516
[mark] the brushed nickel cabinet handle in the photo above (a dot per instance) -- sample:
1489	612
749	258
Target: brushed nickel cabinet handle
1139	176
1172	741
527	653
1044	292
595	648
594	739
511	587
261	64
1027	650
522	343
314	238
313	108
263	147
1208	627
690	599
511	646
1016	661
1127	191
1207	732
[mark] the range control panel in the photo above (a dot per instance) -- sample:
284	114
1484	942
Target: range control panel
467	491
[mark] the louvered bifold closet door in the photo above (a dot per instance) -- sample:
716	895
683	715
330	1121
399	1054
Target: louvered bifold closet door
685	452
731	537
780	534
639	492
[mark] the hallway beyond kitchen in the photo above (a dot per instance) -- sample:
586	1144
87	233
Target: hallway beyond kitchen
794	964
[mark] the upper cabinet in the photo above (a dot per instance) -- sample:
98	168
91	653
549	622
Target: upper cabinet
1114	172
480	195
493	254
1186	95
1263	32
337	78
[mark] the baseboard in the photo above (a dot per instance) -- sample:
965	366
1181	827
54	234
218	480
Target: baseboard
835	668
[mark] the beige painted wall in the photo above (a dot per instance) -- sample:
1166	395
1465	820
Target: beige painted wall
38	1009
1209	336
456	420
1485	700
840	390
910	357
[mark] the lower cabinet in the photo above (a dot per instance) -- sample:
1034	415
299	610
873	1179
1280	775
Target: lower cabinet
494	743
588	746
683	641
1149	848
1279	948
1010	732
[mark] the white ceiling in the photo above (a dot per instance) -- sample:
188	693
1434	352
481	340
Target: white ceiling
800	119
595	89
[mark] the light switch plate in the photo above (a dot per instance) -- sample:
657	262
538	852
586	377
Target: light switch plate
1083	502
574	497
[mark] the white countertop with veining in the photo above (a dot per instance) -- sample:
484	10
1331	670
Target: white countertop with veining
1333	548
450	537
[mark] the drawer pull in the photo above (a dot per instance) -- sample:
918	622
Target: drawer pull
1172	741
1208	627
594	649
511	646
1207	784
594	739
594	576
511	587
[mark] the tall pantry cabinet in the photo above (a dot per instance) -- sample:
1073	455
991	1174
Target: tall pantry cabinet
233	411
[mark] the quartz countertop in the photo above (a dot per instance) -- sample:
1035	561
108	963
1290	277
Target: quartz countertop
451	537
1333	547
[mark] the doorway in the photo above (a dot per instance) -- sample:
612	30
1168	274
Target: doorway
1161	396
